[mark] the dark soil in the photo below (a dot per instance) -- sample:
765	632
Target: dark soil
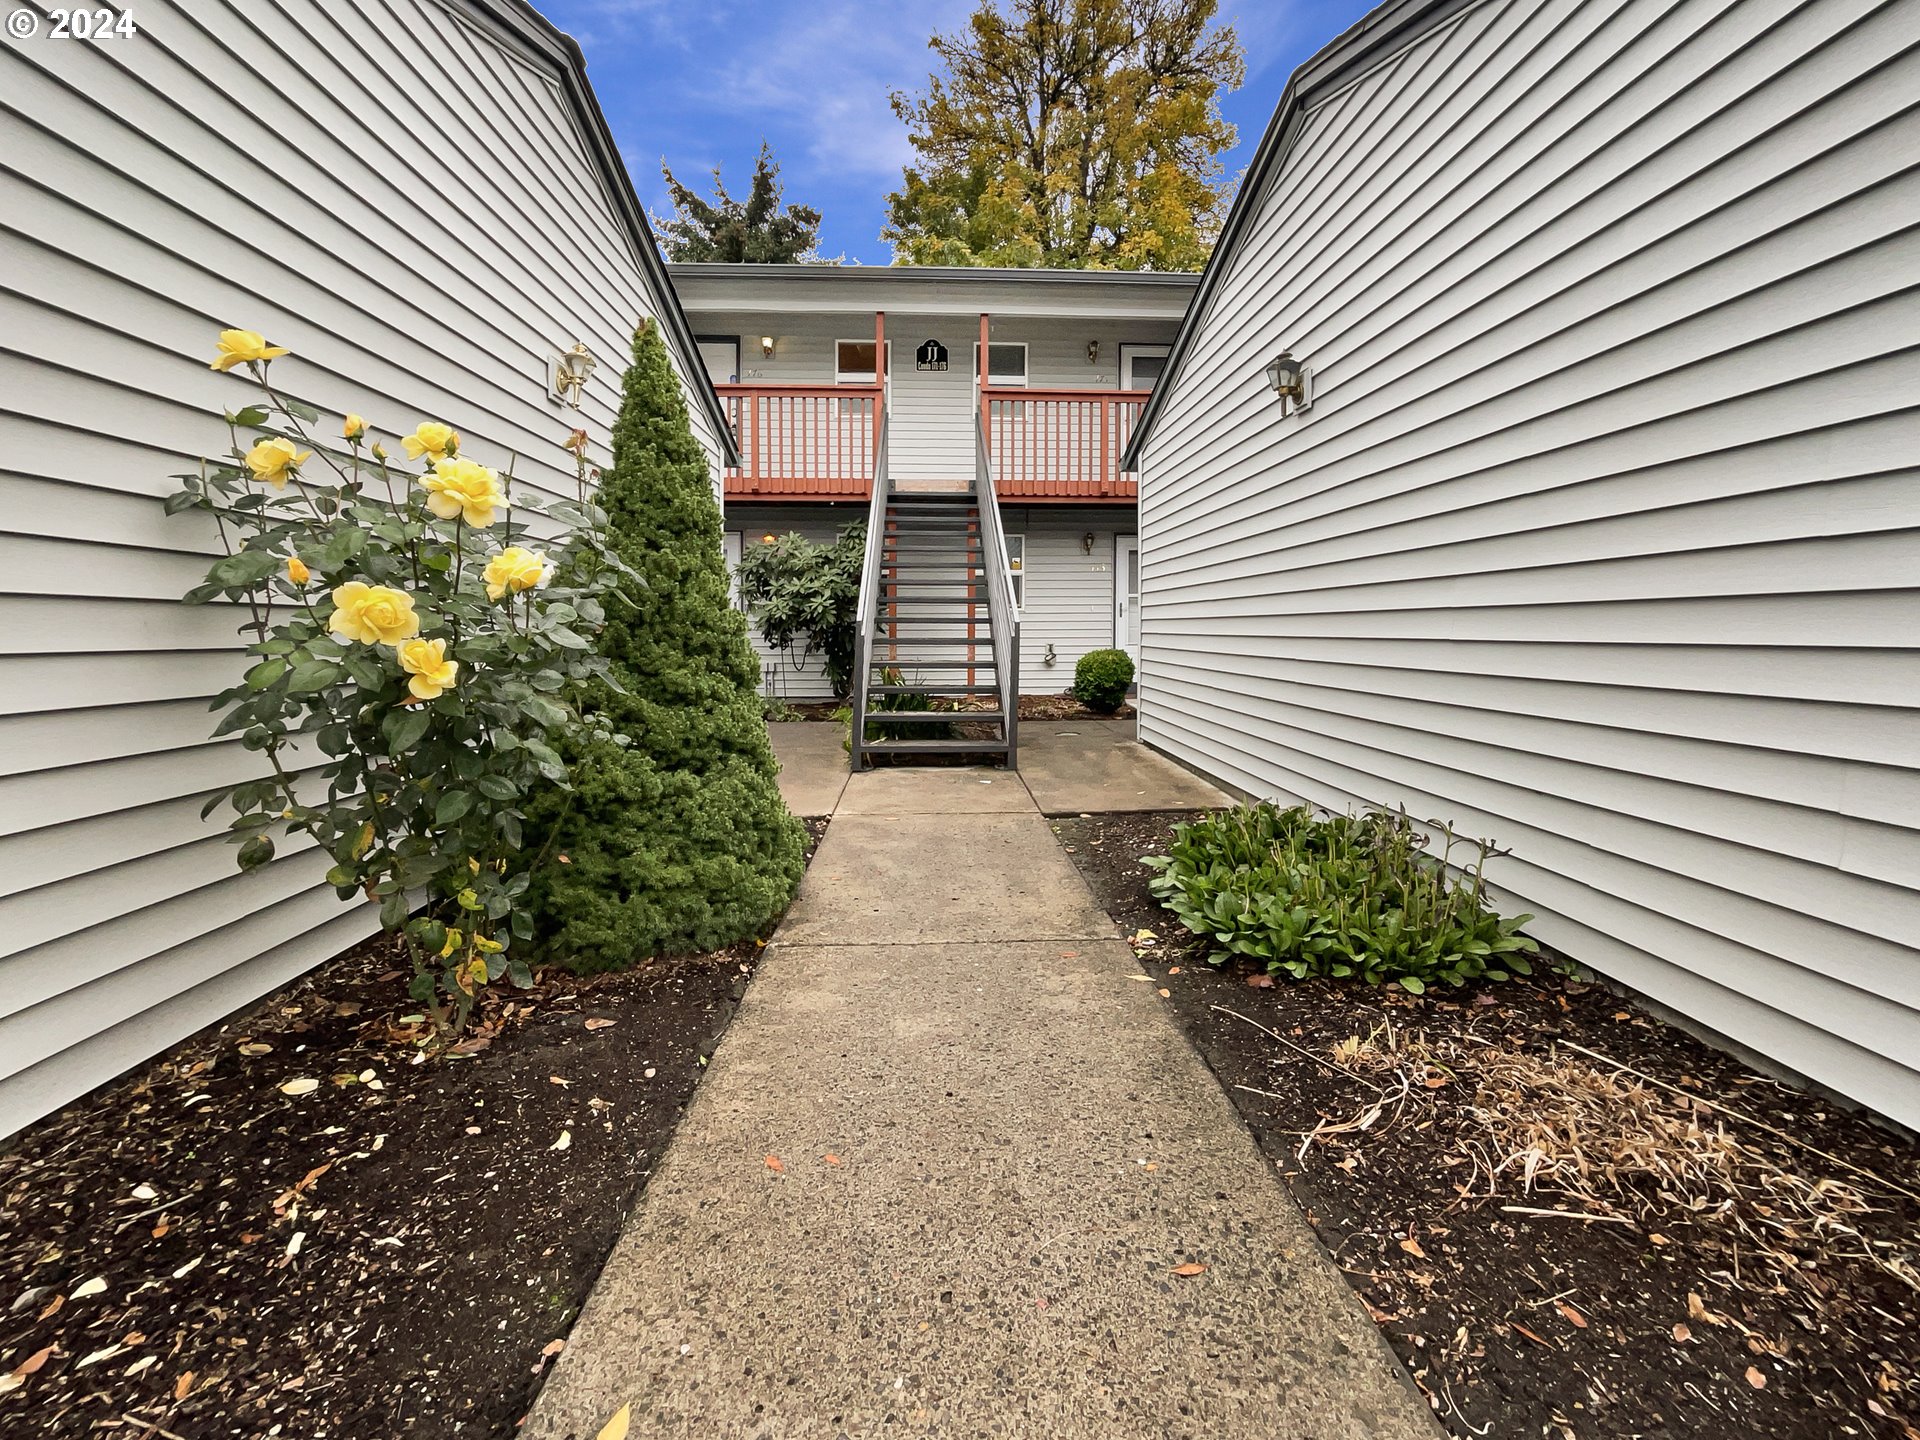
399	1251
1668	1324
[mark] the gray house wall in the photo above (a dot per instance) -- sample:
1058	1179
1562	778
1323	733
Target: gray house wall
422	247
1602	536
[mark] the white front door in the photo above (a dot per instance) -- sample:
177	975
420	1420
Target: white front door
1126	596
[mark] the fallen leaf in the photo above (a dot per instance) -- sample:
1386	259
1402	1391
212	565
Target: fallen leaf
1548	1344
566	1139
31	1365
1173	970
293	1246
183	1386
616	1428
773	1164
1755	1378
558	1080
1192	1267
598	1024
831	1158
1573	1315
95	1286
1259	982
1166	994
53	1307
1681	1334
145	1192
256	1048
1412	1247
303	1086
1697	1310
554	1347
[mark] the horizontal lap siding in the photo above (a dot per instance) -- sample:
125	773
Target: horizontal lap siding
1603	534
422	250
1068	604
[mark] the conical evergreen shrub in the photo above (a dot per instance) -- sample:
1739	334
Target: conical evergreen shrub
678	842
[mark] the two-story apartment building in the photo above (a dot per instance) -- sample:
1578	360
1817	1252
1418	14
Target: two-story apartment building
809	358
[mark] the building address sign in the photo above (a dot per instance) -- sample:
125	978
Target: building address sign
931	355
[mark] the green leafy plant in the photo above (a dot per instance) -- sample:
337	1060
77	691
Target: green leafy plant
677	842
806	598
411	667
1101	678
1348	896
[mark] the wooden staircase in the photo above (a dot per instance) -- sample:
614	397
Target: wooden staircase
937	621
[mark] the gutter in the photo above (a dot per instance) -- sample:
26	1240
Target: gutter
1381	33
519	18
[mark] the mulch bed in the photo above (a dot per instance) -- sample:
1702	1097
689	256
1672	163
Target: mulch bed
1032	707
1668	1317
400	1250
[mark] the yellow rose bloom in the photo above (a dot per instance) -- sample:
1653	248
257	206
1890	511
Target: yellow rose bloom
274	460
514	568
353	427
297	570
465	488
237	347
428	669
373	614
432	438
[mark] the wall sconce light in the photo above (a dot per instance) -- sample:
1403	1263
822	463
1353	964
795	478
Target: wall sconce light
769	538
766	347
1093	352
569	373
1086	543
1291	381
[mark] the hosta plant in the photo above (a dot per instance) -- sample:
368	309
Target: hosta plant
411	661
1363	896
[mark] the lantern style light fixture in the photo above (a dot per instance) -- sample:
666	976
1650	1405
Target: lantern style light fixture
1093	352
1291	381
766	347
570	372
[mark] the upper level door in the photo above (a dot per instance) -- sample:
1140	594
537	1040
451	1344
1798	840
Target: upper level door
1126	596
1140	365
721	355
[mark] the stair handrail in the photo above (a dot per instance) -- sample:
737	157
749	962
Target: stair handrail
1006	634
869	594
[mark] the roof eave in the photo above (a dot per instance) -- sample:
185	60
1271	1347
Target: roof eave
519	17
1381	32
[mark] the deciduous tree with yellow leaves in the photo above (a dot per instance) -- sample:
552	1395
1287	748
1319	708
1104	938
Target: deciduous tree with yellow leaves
1071	134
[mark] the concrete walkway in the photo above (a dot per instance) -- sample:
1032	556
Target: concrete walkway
949	1157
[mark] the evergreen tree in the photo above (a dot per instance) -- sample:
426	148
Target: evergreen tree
758	230
678	841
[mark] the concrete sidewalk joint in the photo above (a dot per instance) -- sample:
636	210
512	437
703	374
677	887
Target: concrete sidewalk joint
943	1179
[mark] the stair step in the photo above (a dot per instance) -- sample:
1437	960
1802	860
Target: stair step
935	747
929	717
938	691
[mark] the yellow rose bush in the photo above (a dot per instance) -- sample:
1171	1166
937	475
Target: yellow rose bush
412	663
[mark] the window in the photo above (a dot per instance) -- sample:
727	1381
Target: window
1016	568
1141	366
853	362
721	355
1006	362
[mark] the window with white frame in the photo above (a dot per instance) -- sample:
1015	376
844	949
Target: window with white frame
1006	362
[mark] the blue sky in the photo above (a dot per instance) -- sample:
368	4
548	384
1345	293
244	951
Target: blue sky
702	81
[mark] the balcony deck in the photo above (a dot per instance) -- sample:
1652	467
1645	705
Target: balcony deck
816	442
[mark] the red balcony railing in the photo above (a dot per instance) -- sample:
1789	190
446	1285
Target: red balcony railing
816	441
1061	444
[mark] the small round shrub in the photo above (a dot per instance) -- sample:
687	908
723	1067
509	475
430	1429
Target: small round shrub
1101	679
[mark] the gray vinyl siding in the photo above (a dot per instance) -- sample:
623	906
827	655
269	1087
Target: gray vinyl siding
422	248
1603	534
781	677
